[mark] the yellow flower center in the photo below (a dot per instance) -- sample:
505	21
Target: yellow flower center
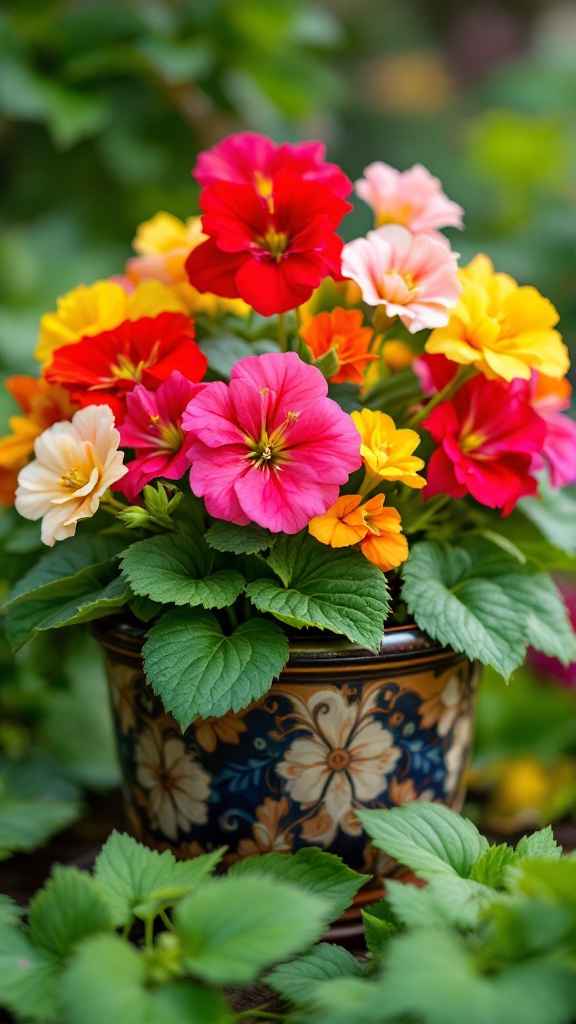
263	184
171	436
268	450
127	370
74	478
469	442
275	242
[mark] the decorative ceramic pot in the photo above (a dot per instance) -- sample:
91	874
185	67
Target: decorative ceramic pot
342	729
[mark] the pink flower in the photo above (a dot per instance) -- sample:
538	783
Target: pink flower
549	398
76	462
248	158
487	437
153	426
551	667
413	276
413	198
270	448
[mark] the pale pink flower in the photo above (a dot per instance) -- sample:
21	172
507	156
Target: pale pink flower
76	462
270	448
413	198
413	276
153	427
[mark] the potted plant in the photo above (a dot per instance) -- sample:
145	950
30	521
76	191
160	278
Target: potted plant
259	447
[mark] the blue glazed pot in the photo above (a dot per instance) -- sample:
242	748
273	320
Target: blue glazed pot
342	729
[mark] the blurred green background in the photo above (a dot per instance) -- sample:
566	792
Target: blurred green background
103	107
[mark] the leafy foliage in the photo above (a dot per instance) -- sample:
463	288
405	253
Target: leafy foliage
197	670
491	937
174	570
485	603
337	590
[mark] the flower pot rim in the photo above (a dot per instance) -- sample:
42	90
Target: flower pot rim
398	642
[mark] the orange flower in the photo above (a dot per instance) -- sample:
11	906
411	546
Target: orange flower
42	404
342	525
384	544
341	330
378	530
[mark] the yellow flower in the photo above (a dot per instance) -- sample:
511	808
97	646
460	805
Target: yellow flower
502	329
163	244
387	452
90	309
397	354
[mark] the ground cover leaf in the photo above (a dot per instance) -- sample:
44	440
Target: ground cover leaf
312	869
428	838
232	928
69	907
140	882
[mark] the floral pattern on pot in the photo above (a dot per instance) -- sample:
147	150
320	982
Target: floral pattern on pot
292	769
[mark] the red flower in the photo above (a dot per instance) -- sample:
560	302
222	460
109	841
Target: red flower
104	368
252	159
487	437
272	251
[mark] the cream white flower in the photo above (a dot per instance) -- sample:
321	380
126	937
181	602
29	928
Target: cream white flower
76	462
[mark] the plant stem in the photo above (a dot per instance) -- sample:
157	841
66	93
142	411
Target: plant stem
428	514
282	340
166	921
262	1012
463	374
112	503
127	928
369	483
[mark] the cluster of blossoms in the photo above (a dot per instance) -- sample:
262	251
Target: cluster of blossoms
295	438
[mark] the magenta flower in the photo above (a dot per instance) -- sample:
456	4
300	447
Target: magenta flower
270	448
550	398
487	437
248	158
153	427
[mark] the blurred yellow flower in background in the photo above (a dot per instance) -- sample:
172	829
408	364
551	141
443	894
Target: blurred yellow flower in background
163	244
91	309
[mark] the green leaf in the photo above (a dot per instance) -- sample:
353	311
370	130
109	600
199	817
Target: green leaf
68	908
26	618
224	351
541	844
105	982
547	625
446	900
241	540
490	868
433	976
232	928
428	838
380	924
555	880
70	568
140	882
186	1002
35	802
339	590
554	513
463	610
297	981
197	670
312	869
27	976
175	570
10	912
